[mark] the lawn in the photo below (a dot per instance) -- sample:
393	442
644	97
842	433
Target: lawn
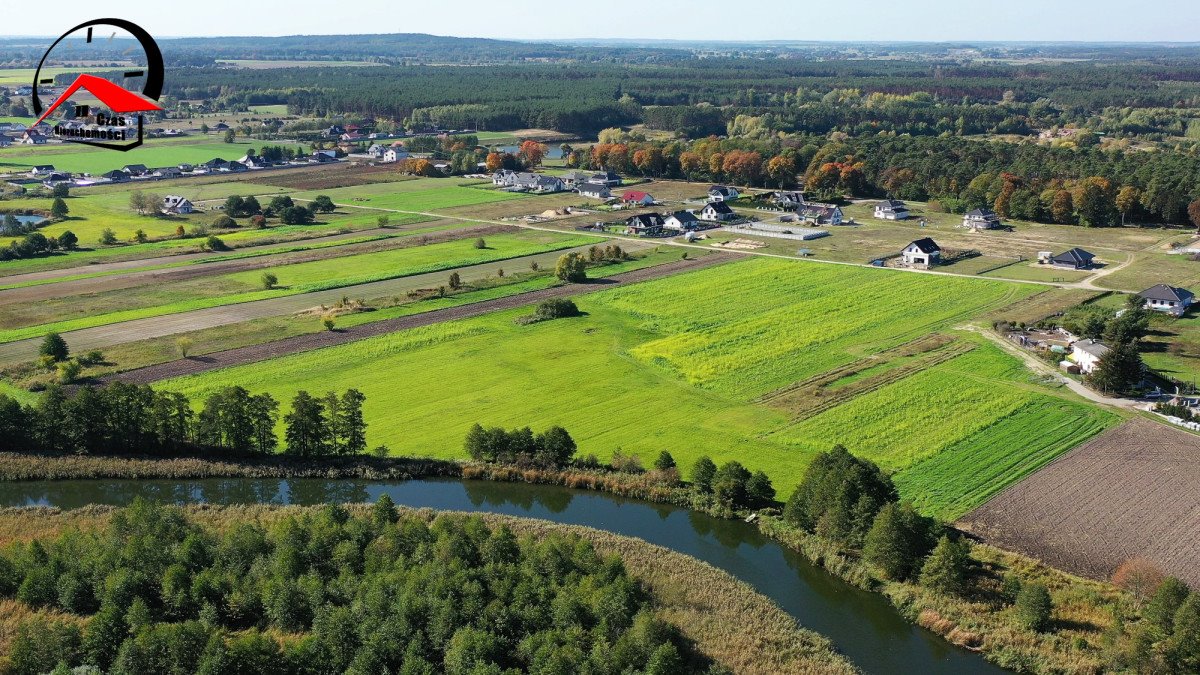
675	364
77	312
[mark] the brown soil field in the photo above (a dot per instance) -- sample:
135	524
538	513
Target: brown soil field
328	177
300	343
1133	491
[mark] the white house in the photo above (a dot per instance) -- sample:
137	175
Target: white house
1086	354
721	193
376	150
820	214
922	254
176	204
716	211
594	190
981	219
891	209
682	221
1169	299
637	197
395	154
41	170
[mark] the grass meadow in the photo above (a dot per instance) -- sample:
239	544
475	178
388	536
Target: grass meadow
78	158
675	364
77	312
413	195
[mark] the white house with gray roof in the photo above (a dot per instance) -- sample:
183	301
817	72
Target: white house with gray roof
1169	299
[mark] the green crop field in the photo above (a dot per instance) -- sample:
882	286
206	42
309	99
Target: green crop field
78	158
77	312
426	194
675	364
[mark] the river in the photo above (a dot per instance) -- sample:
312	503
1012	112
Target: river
863	625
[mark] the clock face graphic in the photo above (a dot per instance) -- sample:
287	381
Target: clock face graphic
90	44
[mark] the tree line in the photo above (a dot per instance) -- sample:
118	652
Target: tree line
127	418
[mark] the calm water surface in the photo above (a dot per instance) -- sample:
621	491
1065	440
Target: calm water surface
862	625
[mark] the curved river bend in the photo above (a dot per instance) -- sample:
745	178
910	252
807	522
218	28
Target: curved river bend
863	625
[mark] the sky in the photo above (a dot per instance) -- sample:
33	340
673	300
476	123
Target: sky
867	20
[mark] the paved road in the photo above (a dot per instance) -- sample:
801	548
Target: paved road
310	341
100	337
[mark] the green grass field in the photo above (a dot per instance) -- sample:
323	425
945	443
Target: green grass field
78	158
675	364
423	195
77	312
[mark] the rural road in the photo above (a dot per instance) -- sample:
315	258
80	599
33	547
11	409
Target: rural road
100	337
1038	366
309	341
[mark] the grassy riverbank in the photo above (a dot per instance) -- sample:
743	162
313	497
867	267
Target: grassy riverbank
1081	638
730	623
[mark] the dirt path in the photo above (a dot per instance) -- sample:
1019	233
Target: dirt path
142	277
1041	367
301	343
100	337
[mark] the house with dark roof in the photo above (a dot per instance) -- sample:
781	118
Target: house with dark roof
1087	353
41	170
682	221
922	254
176	204
981	219
1075	259
116	176
574	179
167	172
717	211
644	224
788	200
820	214
609	178
135	169
891	209
595	190
721	193
215	163
221	126
1169	299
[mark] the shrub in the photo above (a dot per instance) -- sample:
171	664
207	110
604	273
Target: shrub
1034	606
269	280
480	243
898	540
67	240
55	347
554	308
840	496
702	474
571	267
664	461
1167	600
214	243
1139	577
68	371
184	345
946	569
224	222
108	237
92	358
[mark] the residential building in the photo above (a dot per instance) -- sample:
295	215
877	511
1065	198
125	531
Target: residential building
116	176
394	154
637	197
722	193
176	204
891	209
41	170
532	182
981	219
922	254
607	177
682	221
1076	259
1169	299
135	169
574	179
717	211
789	200
820	214
1086	354
644	224
595	190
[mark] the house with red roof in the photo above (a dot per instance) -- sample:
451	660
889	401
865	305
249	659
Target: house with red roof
637	197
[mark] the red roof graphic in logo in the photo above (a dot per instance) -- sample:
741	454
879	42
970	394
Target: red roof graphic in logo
117	98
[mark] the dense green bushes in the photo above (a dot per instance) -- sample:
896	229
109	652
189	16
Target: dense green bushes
369	594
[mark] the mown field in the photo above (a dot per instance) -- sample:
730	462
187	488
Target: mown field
76	312
412	195
675	364
159	152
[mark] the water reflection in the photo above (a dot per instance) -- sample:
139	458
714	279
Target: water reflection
863	625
